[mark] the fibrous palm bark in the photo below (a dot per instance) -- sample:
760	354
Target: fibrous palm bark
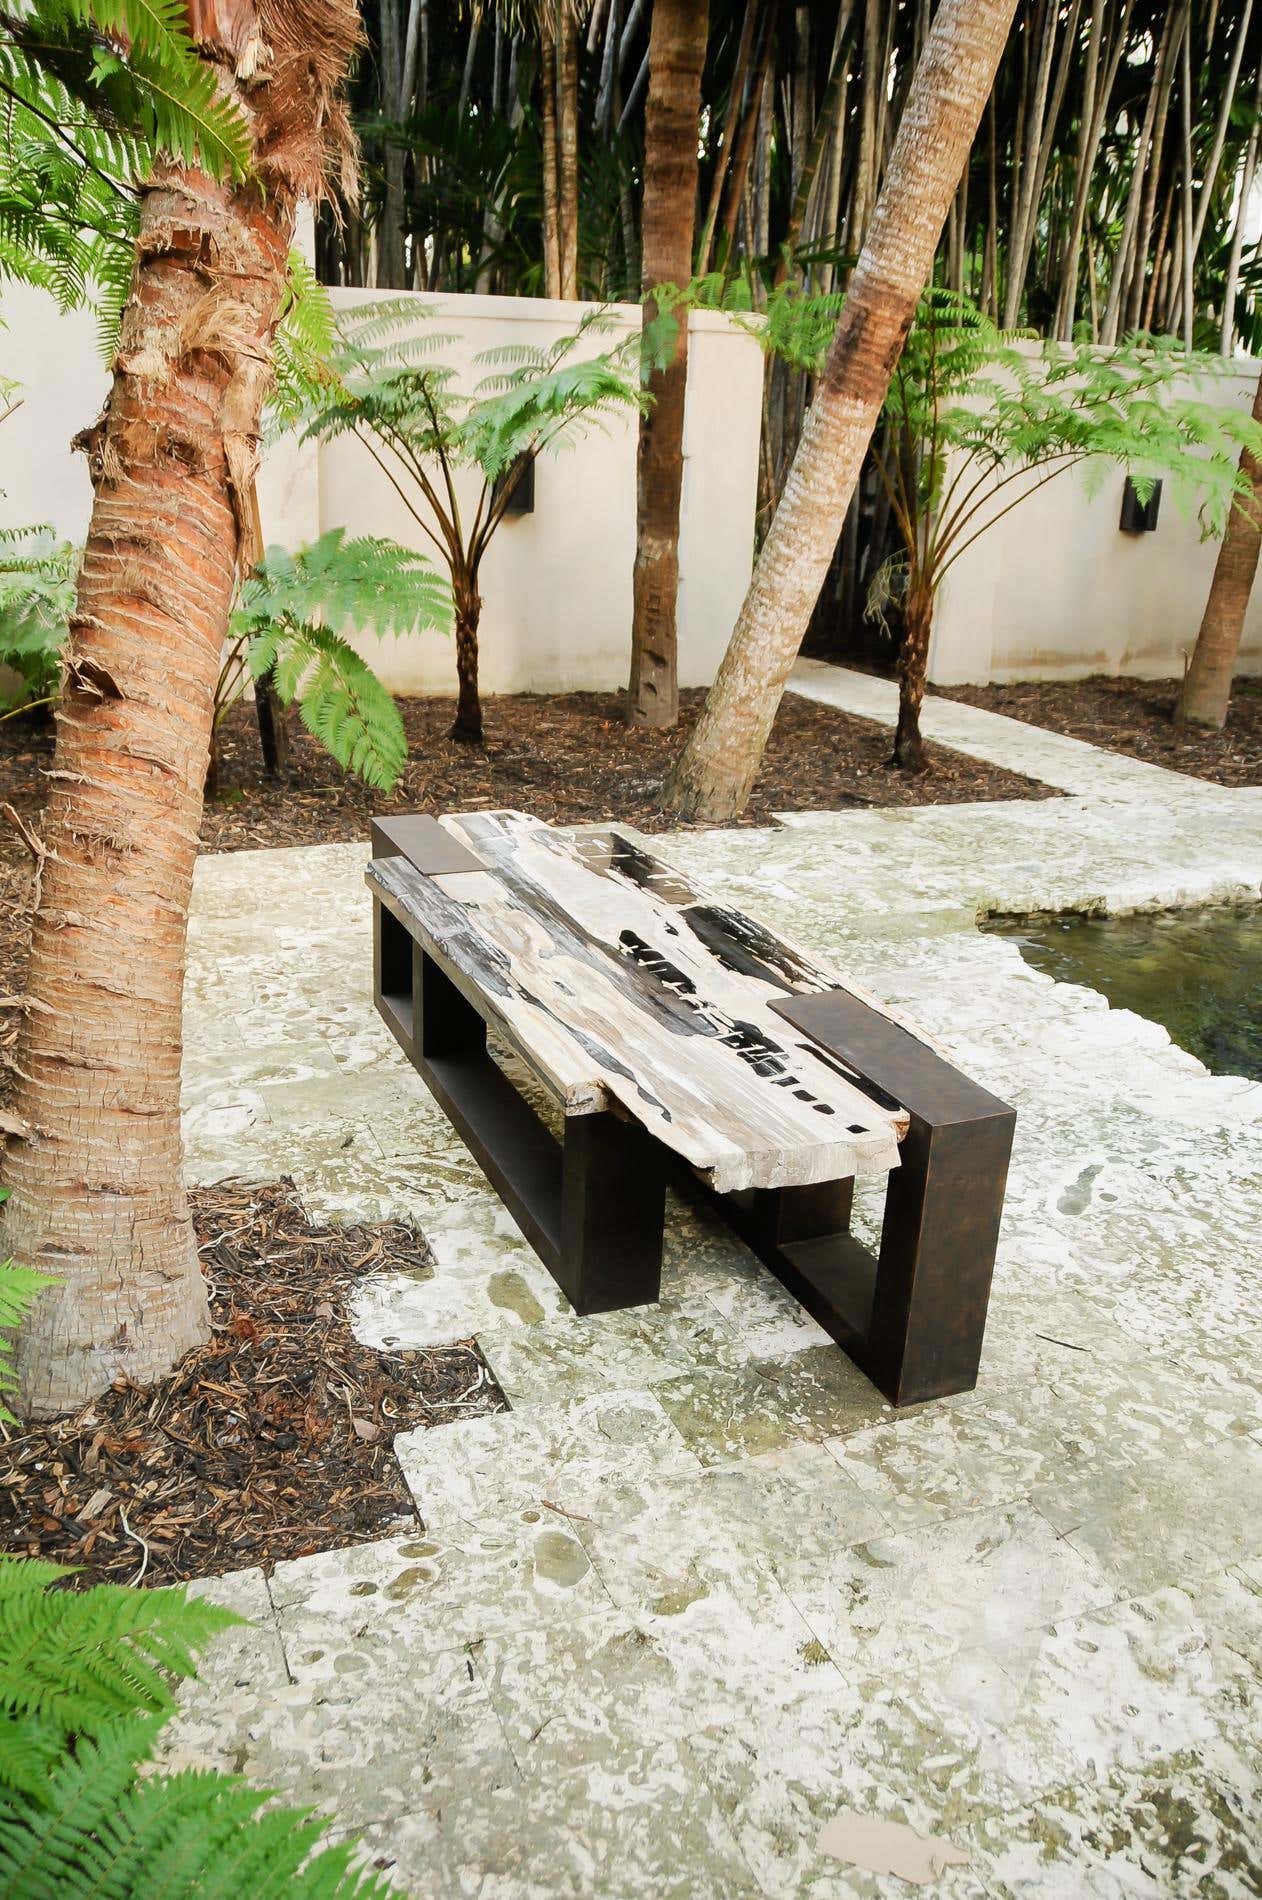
1206	691
677	49
97	1198
716	771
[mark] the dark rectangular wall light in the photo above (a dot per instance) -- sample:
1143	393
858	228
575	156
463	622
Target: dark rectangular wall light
520	475
1139	517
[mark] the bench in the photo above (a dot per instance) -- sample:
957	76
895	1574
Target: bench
675	1034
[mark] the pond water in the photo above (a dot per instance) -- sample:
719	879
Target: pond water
1198	973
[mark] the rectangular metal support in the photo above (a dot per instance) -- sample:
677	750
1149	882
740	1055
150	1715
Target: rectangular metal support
925	1322
592	1207
612	1214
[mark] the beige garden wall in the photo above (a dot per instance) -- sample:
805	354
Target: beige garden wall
1057	591
556	584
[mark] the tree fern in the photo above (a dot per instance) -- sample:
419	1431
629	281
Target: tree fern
284	628
377	585
85	1686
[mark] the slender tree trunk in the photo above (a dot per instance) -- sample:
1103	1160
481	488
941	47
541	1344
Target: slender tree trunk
269	710
567	155
467	727
1139	302
97	1198
717	769
551	166
731	118
913	661
1207	689
1247	174
677	49
391	266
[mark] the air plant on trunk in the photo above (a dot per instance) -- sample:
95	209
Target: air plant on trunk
454	456
977	424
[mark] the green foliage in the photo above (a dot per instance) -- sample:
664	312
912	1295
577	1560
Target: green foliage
20	1287
37	581
304	343
975	424
283	627
93	91
385	388
787	320
85	1685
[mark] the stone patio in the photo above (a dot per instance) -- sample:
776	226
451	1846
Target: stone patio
701	1589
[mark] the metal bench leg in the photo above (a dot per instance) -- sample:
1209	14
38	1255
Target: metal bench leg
938	1241
613	1194
779	1216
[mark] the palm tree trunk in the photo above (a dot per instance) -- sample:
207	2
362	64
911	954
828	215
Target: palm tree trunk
713	776
1207	689
677	49
97	1198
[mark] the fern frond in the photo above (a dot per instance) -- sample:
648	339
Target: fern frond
102	1832
20	1287
373	584
83	1659
343	704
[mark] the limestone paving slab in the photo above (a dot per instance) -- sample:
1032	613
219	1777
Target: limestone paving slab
642	1825
727	1529
569	1458
361	1612
1026	1618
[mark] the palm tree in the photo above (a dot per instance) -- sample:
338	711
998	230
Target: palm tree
714	774
94	1172
677	49
1207	689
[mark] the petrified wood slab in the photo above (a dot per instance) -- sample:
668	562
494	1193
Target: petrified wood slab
625	988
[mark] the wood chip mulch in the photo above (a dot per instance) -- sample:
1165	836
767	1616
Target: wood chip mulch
1133	716
569	758
273	1441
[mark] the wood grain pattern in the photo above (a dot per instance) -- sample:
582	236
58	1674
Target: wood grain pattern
620	983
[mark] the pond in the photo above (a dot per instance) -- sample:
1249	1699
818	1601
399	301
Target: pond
1197	973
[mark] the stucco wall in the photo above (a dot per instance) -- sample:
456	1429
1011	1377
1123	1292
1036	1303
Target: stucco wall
556	584
1056	590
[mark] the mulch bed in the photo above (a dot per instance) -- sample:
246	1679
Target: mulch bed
1133	716
273	1441
568	758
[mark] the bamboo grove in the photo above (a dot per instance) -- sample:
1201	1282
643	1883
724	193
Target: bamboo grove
1107	187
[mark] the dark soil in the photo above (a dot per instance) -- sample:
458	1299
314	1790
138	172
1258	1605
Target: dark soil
1133	716
274	1441
568	758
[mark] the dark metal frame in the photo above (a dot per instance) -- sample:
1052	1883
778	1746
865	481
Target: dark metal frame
912	1317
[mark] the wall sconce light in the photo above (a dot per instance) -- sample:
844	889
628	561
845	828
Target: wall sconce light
1139	517
519	478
